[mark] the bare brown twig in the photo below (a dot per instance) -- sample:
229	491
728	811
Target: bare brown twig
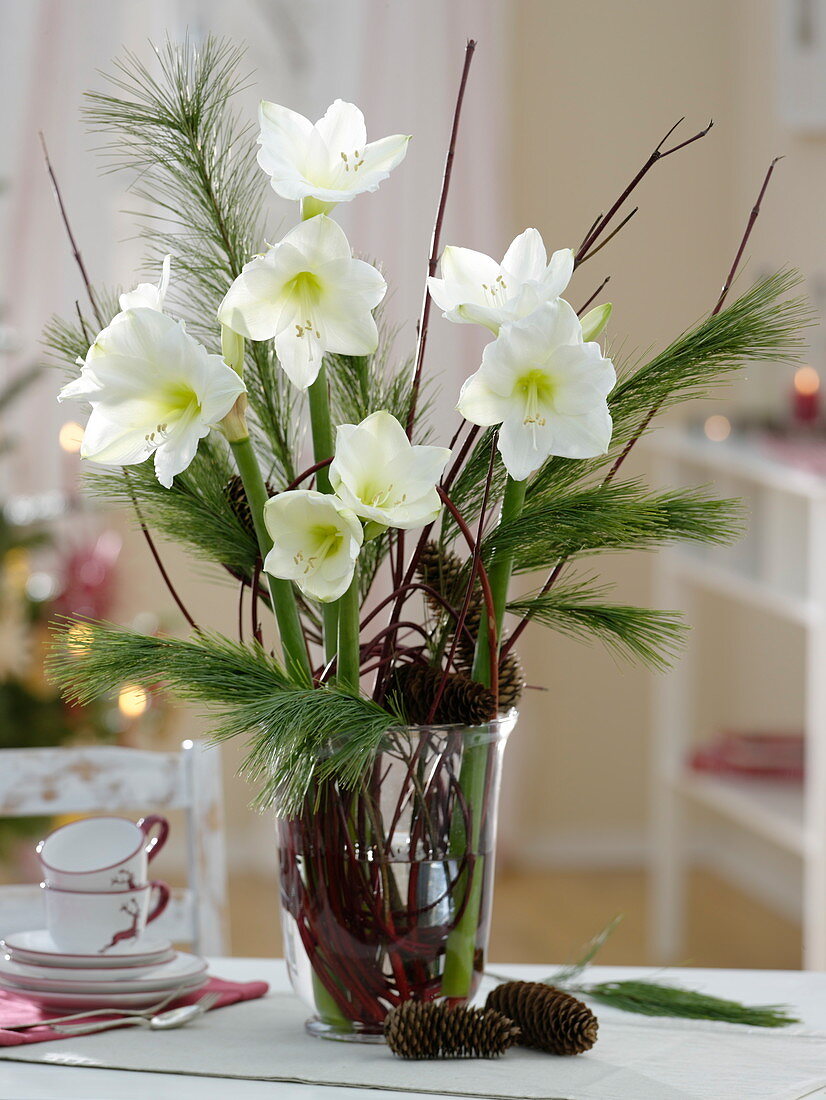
436	239
73	243
474	568
643	426
99	318
602	223
596	294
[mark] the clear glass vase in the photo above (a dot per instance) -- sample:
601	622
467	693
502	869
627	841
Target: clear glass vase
386	888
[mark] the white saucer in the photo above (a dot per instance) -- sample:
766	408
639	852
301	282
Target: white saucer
38	948
126	980
102	1000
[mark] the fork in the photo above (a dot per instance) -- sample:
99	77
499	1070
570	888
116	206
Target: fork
151	1011
165	1021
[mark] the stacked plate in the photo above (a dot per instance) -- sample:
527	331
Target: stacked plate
129	975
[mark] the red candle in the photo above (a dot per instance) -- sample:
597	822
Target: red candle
806	403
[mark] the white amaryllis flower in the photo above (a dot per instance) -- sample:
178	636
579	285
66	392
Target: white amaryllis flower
329	162
316	541
147	295
310	295
383	477
475	289
153	389
546	387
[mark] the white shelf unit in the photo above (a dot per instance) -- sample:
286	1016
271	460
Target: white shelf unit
779	568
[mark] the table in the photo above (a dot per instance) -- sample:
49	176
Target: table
806	991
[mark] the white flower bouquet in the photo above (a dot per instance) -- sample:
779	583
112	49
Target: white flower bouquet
247	407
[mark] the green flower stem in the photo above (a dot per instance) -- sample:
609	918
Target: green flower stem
461	943
281	591
322	428
348	638
499	575
323	447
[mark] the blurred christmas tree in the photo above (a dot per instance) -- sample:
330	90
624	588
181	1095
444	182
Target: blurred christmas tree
40	578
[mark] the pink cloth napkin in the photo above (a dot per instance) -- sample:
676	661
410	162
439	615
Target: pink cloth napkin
18	1009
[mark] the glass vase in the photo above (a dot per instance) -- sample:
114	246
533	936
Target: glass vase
386	887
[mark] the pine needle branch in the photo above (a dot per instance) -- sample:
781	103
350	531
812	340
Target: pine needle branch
617	516
639	633
193	161
295	734
664	999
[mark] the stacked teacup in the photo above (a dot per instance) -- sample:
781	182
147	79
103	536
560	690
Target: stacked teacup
96	882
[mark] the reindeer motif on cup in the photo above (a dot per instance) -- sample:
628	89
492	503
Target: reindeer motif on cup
133	911
124	878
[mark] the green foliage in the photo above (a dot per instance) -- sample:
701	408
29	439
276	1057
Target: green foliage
193	161
763	324
579	609
617	516
195	512
661	999
294	732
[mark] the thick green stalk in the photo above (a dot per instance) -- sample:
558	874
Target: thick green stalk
323	448
499	575
461	943
281	591
348	638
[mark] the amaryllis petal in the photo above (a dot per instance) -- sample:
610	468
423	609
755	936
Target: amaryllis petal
547	389
153	390
526	257
147	294
329	162
316	541
309	294
474	288
382	477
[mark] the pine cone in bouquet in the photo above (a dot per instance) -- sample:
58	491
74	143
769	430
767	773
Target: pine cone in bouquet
417	1029
236	496
464	701
445	572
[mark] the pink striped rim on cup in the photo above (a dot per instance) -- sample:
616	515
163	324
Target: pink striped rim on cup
102	853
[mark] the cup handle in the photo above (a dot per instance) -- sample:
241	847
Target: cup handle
154	843
162	902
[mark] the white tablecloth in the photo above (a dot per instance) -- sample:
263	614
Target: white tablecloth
635	1059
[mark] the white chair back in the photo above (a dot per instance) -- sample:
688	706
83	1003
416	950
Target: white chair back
102	778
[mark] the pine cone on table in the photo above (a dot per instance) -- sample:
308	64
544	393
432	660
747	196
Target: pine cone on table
549	1018
417	1029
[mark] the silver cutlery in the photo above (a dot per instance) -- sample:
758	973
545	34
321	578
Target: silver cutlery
165	1021
151	1011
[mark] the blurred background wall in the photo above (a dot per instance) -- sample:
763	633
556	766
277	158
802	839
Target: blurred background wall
566	101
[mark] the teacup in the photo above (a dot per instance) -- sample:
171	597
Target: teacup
102	853
89	923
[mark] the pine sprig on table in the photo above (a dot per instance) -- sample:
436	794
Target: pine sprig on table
659	998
